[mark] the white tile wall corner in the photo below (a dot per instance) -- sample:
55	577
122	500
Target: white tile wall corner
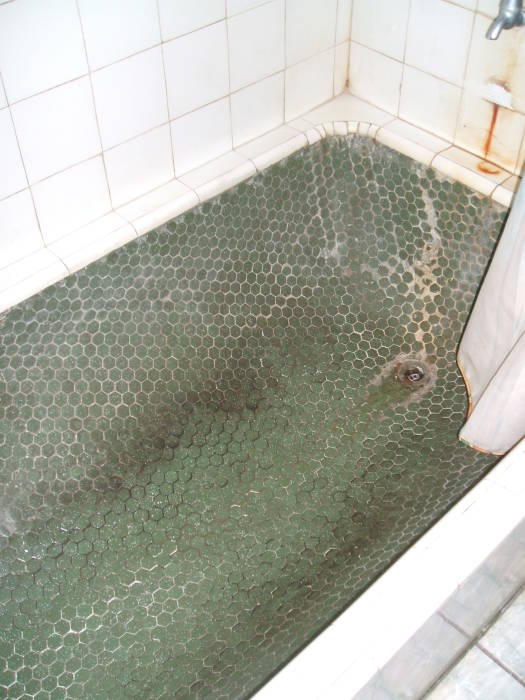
258	108
451	74
12	174
201	136
177	18
130	97
381	26
139	165
375	77
256	43
310	28
57	129
41	46
114	29
197	69
108	101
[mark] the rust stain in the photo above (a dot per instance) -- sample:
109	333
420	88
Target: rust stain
488	168
490	135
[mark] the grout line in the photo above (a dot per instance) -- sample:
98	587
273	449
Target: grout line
337	2
285	35
94	108
499	663
462	86
404	56
164	74
24	167
228	62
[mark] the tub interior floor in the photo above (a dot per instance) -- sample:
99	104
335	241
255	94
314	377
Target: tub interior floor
207	453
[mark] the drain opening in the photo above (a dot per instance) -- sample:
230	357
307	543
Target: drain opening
413	373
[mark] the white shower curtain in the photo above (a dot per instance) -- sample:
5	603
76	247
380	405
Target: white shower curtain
491	354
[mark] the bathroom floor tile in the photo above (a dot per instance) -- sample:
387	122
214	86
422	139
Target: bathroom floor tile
505	640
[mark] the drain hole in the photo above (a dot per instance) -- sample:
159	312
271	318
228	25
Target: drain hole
413	373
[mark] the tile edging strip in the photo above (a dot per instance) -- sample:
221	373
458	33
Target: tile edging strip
314	133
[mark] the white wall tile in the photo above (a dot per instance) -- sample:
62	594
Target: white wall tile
501	62
57	129
342	53
3	98
488	7
256	41
344	13
473	129
74	197
114	29
381	25
139	165
429	102
196	69
130	97
438	38
201	136
375	77
308	84
40	46
179	17
257	108
310	28
234	7
12	175
19	232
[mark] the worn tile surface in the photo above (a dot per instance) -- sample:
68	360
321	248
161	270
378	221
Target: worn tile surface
477	677
505	640
206	453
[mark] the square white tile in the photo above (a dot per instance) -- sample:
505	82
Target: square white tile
41	46
201	136
114	29
375	77
500	62
139	165
196	69
310	28
381	26
344	14
57	129
179	17
490	131
130	97
429	102
256	42
20	234
342	54
234	7
257	108
308	84
438	38
12	175
488	7
74	197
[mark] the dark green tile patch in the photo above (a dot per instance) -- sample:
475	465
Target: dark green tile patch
204	452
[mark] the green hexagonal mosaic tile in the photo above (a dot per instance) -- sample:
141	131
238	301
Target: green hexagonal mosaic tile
206	453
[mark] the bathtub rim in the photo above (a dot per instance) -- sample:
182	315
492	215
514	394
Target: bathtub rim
340	116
